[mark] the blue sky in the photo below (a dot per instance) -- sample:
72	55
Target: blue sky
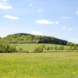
58	18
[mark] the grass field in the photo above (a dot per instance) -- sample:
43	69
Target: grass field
30	47
39	65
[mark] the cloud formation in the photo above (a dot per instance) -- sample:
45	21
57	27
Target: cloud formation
46	22
76	12
65	17
4	5
39	10
4	1
70	29
30	4
36	33
74	41
11	17
65	28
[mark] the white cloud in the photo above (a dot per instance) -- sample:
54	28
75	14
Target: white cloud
64	28
76	12
11	17
31	4
74	40
4	1
39	10
56	22
36	33
70	29
65	17
46	22
4	5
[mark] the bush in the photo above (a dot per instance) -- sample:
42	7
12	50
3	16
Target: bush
6	48
51	48
38	49
48	48
55	47
20	50
61	48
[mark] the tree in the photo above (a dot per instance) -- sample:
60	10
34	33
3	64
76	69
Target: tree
75	47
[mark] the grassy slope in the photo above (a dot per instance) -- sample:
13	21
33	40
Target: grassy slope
30	47
39	65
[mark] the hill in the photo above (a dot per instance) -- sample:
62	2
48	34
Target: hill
23	38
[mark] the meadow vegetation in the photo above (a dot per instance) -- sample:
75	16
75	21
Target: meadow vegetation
34	48
27	43
38	60
39	65
45	47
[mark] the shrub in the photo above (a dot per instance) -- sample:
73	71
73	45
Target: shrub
20	50
51	48
6	48
48	48
38	49
61	48
55	47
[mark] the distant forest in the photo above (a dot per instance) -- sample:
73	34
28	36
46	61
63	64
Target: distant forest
22	38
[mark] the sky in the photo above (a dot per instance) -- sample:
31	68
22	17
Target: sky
57	18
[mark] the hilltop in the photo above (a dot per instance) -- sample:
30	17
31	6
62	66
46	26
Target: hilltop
23	38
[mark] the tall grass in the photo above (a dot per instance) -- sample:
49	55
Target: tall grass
39	65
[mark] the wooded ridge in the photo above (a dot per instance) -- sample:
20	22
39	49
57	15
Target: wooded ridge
23	38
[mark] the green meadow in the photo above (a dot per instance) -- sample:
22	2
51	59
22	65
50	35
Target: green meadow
30	47
39	65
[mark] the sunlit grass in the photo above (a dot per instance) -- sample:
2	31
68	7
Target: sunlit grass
39	65
30	47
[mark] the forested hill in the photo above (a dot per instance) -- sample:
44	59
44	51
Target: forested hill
22	38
